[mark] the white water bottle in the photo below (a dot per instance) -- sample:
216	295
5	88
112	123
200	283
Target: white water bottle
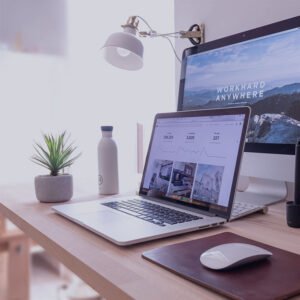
108	177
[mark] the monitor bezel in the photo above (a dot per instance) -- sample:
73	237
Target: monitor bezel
288	149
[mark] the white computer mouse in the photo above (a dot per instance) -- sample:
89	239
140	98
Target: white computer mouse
232	255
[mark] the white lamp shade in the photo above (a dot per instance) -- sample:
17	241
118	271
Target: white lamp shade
124	50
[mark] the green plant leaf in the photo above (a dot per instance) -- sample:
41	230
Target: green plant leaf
57	153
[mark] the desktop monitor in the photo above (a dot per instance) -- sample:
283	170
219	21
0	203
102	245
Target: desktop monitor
259	68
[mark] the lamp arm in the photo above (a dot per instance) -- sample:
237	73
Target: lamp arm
195	33
153	33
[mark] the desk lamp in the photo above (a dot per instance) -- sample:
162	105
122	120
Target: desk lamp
124	50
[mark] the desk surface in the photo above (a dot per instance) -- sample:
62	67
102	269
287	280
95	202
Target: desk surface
121	273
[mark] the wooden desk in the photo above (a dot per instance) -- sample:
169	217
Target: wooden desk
121	273
15	268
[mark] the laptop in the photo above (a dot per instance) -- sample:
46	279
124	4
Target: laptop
188	181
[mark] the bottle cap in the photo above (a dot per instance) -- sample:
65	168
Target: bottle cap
107	128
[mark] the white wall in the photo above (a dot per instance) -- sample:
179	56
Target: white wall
80	92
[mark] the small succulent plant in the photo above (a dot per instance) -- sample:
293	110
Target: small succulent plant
57	153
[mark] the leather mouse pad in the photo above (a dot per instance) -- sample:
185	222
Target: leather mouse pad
277	277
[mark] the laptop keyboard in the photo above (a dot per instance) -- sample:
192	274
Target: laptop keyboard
152	213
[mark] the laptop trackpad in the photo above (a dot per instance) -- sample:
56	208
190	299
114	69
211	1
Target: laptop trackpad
99	217
120	228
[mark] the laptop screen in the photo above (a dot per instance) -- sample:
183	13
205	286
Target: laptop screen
193	157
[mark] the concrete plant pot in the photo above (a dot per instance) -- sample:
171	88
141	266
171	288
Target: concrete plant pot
53	188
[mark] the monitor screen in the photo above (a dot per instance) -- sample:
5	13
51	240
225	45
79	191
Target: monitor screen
259	68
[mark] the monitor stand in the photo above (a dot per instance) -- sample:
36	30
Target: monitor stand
261	191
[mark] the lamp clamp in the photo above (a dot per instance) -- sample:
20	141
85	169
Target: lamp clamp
195	34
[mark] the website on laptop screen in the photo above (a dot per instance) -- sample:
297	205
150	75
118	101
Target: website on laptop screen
193	159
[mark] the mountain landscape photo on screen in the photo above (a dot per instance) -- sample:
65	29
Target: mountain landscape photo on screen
263	73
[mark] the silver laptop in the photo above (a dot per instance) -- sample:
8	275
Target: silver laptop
188	182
